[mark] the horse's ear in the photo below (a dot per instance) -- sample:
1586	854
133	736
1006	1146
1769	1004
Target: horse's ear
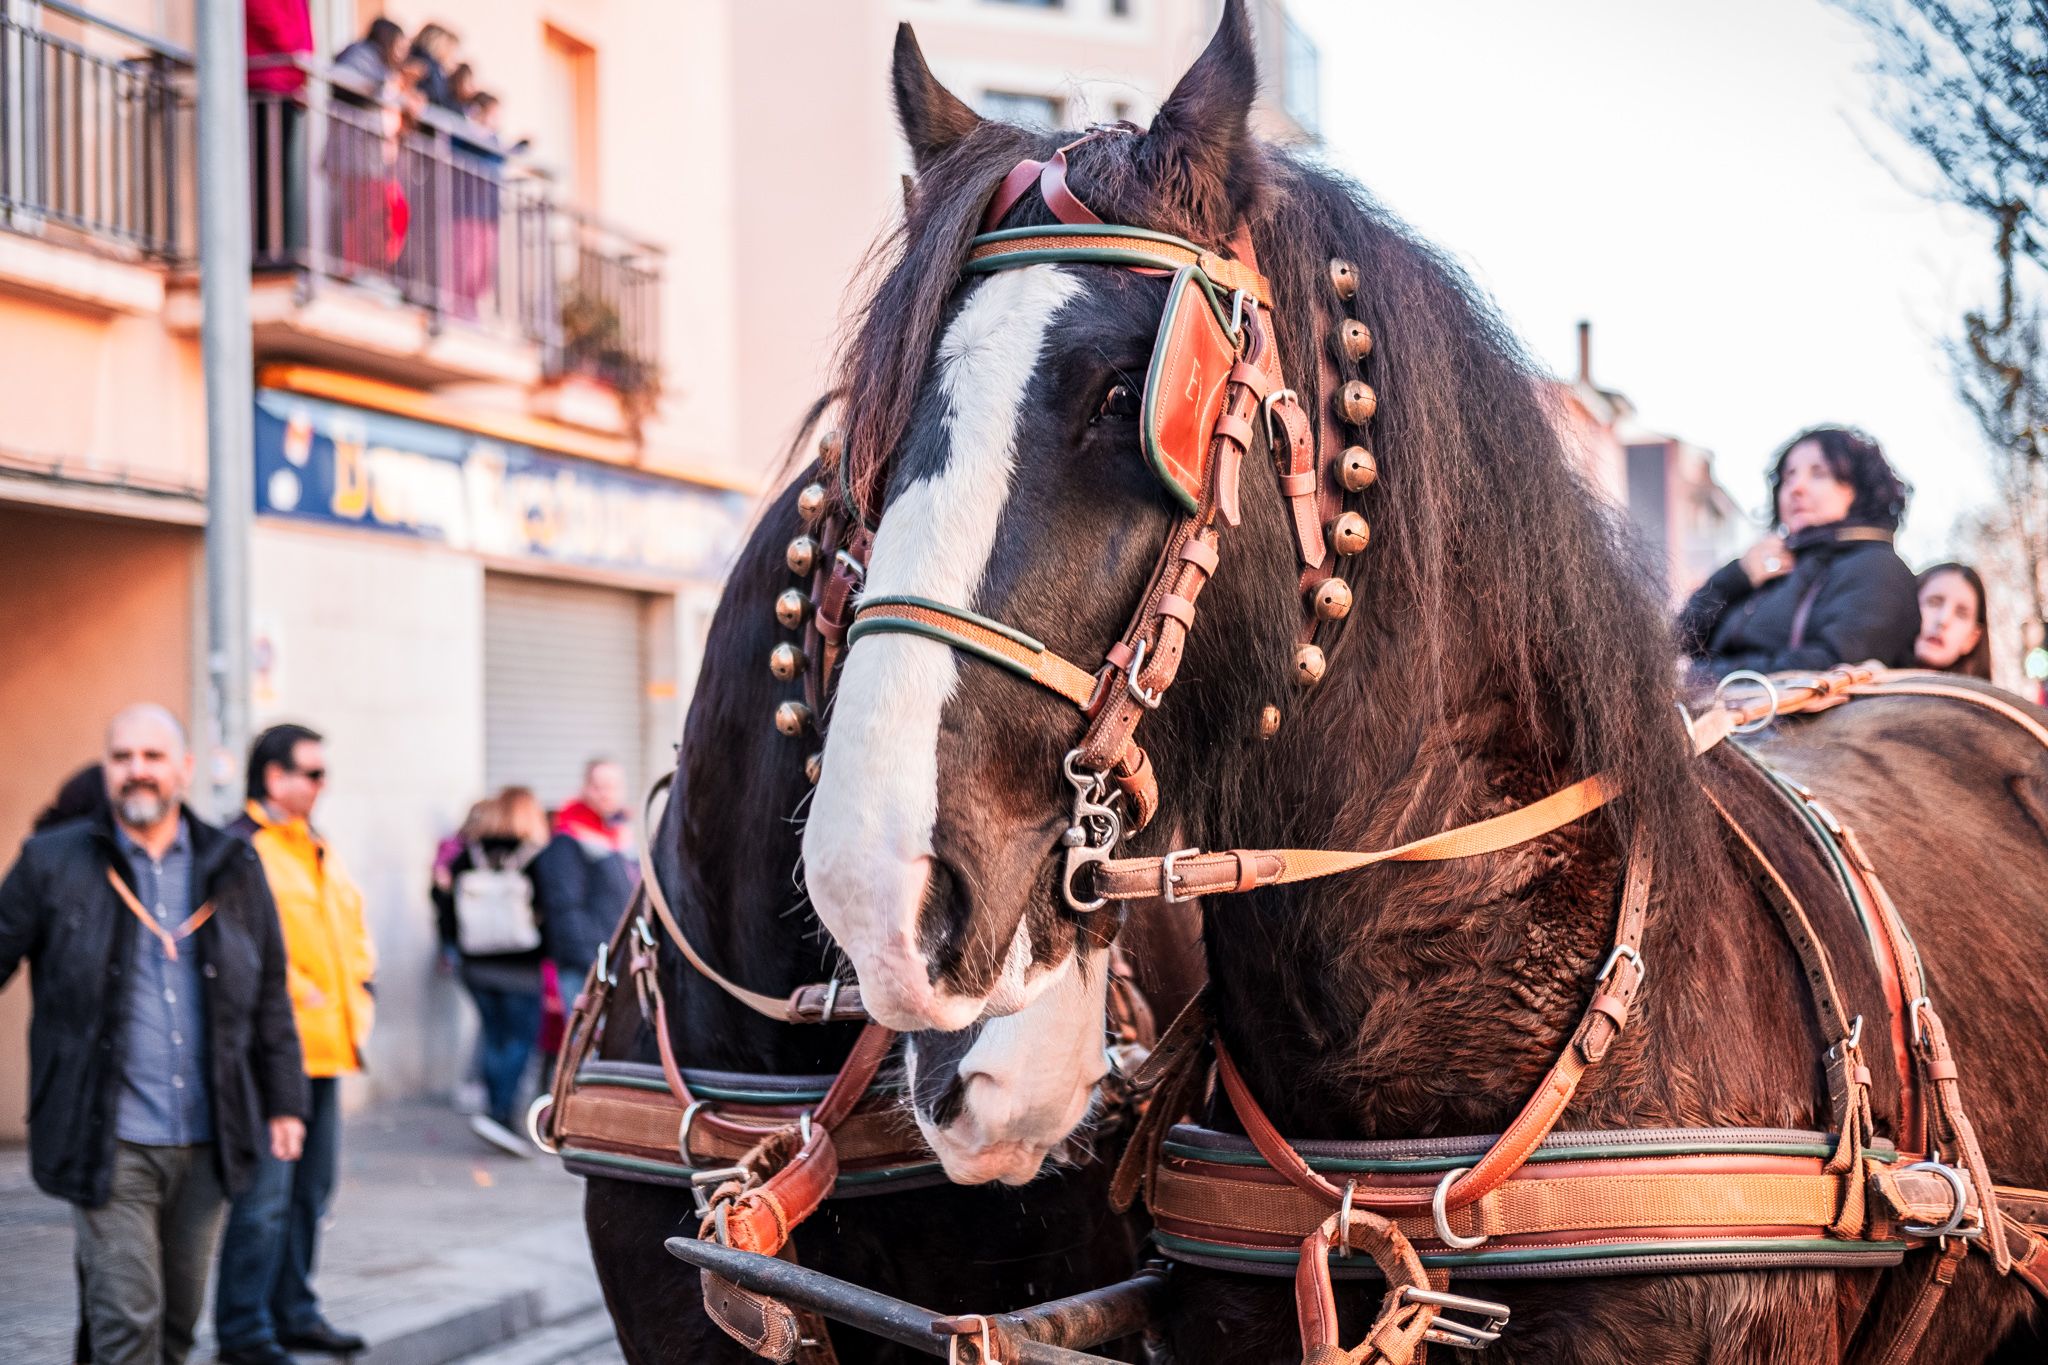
1205	122
933	117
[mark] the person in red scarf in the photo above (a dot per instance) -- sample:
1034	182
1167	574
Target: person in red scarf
587	873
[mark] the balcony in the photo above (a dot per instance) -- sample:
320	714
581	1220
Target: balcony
94	161
415	238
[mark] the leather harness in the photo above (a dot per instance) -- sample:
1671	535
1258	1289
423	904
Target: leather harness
1533	1202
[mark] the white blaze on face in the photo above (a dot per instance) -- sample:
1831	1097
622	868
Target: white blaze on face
1028	1080
867	845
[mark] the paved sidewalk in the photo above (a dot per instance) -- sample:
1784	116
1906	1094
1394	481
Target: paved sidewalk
438	1248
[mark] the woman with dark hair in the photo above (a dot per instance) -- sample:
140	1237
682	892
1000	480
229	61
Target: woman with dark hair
1826	587
1953	636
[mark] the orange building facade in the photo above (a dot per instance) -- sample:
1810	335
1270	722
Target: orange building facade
512	415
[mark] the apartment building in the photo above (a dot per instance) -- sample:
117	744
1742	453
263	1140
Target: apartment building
514	404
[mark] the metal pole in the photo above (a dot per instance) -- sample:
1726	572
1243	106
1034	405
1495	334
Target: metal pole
228	357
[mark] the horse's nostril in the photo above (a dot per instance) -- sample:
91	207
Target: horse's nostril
943	912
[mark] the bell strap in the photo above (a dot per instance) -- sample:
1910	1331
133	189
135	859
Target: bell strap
977	635
167	937
826	1002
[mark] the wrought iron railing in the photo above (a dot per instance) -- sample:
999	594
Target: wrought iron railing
429	209
95	142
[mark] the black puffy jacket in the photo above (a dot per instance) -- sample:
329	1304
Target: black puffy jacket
1848	598
58	913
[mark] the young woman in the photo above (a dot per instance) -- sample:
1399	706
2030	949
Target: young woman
1826	586
488	914
1953	637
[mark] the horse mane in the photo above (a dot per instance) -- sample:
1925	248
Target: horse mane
1483	527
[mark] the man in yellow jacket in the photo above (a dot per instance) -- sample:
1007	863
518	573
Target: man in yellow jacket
265	1306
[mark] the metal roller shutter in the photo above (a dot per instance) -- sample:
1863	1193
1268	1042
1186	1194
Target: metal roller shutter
564	667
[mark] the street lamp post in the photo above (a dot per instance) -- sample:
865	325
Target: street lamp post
228	357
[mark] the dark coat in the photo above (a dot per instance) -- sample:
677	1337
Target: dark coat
581	893
58	913
1859	597
496	971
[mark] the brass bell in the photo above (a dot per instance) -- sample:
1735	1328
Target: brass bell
829	446
1355	337
1332	599
791	717
803	555
1269	721
1349	534
1356	469
791	607
814	767
1356	402
786	661
1343	279
810	503
1309	665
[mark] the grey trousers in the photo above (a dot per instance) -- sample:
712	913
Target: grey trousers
145	1253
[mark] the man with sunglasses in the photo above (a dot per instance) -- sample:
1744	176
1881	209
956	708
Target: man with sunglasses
265	1305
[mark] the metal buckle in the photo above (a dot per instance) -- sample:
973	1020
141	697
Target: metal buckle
1955	1226
1344	1218
855	570
1448	1331
683	1129
985	1354
646	933
831	1000
1770	688
604	965
1168	879
701	1181
1623	950
1443	1224
1854	1039
1920	1002
1149	700
1266	412
541	1104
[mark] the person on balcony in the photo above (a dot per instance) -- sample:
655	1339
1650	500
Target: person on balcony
437	51
279	41
375	57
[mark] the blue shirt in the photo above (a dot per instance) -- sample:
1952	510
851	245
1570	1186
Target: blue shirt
164	1093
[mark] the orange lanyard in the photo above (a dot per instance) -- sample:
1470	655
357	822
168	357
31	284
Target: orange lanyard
168	937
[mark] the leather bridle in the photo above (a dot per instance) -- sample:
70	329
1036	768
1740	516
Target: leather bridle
1215	381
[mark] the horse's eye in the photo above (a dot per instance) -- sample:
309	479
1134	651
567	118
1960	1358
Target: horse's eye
1120	402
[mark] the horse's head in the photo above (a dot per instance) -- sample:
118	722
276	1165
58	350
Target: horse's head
1003	422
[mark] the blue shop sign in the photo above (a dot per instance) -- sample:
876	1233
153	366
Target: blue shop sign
347	466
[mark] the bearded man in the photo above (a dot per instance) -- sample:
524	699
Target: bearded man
163	1060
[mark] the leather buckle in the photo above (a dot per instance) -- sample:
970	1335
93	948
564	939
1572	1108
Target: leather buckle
1169	880
1448	1331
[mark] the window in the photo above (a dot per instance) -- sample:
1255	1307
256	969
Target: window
1032	111
1301	80
566	139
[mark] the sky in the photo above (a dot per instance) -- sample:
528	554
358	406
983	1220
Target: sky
1703	180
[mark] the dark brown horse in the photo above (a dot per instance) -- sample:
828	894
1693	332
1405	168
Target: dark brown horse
1505	641
726	853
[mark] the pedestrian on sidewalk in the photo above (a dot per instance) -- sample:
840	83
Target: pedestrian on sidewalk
588	872
161	1043
486	915
265	1305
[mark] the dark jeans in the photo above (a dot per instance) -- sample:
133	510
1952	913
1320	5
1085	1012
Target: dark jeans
143	1255
266	1255
510	1021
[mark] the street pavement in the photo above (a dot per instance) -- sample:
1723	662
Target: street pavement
438	1249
